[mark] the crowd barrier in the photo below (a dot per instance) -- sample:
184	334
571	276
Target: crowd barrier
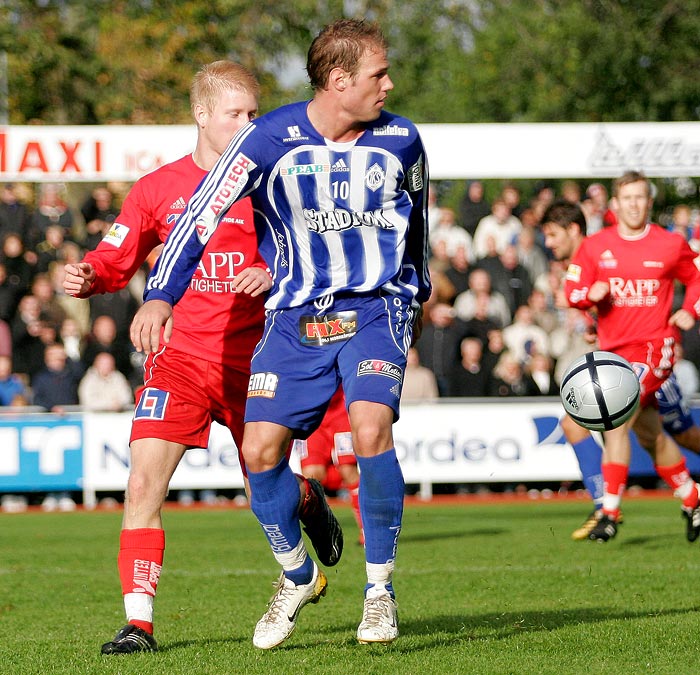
449	441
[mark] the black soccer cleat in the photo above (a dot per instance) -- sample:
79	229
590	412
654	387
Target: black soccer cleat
692	522
129	640
605	529
321	525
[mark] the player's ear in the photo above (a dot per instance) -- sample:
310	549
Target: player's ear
201	114
338	79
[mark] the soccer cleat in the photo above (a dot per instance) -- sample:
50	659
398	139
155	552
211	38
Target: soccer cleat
129	640
321	525
582	532
692	525
380	621
278	622
604	529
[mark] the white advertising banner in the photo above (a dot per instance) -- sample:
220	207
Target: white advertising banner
455	151
106	459
483	443
503	441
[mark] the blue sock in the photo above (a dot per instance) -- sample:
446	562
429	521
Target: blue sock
381	504
275	502
590	455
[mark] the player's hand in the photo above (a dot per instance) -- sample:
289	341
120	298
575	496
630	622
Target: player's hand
253	281
79	278
147	323
598	291
683	319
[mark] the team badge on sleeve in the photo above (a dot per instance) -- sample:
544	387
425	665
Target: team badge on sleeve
116	235
573	273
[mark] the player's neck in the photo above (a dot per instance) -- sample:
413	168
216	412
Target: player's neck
331	122
205	158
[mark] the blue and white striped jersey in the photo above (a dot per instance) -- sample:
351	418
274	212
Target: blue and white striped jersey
330	217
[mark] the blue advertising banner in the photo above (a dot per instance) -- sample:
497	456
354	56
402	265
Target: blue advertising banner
41	453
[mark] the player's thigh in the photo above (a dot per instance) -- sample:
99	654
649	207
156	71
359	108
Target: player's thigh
173	405
373	362
291	382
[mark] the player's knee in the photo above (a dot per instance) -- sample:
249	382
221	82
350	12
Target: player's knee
142	489
573	432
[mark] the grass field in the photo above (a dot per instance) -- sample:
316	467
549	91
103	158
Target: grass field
482	588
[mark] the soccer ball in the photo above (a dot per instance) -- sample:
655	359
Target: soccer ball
600	391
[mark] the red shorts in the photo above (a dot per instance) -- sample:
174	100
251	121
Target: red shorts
331	443
183	394
653	363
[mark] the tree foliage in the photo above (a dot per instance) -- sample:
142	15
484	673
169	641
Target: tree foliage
131	61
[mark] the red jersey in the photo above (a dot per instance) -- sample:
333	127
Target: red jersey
211	321
641	271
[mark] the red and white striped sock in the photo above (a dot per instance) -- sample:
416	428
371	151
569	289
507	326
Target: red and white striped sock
140	561
679	480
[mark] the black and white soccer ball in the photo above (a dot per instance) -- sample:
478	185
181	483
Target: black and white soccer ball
600	391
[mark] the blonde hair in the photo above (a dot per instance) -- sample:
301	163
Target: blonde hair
213	79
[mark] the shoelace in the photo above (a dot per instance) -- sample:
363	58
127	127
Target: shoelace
278	600
377	609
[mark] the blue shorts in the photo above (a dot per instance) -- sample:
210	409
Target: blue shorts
674	411
359	340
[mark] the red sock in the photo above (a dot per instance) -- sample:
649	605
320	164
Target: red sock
615	480
140	561
678	478
354	491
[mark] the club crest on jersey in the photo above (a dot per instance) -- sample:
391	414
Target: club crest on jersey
375	177
317	331
152	404
116	234
379	367
262	385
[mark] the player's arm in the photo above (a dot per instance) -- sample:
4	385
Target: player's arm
581	288
121	252
232	178
416	183
688	274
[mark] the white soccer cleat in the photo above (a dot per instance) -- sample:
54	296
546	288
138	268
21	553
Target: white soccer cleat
380	622
278	622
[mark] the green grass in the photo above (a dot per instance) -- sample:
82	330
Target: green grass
482	589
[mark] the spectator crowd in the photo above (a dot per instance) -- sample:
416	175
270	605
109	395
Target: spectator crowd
58	352
495	324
